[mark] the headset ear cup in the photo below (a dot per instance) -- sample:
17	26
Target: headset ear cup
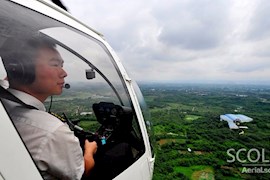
15	71
17	55
21	69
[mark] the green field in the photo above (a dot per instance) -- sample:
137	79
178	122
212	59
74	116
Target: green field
197	172
188	117
191	117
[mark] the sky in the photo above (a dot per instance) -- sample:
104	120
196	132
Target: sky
201	41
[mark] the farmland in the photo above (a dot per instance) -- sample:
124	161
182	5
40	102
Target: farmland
192	142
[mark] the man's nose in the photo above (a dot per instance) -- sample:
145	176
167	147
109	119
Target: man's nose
63	73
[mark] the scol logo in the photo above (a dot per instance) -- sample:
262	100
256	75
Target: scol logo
254	160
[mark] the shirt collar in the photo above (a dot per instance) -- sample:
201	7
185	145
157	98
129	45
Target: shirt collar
28	99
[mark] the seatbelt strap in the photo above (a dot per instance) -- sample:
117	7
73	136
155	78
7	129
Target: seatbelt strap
5	94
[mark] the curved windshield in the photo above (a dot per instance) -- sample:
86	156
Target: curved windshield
146	115
93	95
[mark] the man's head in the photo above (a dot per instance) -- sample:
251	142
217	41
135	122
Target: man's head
19	56
35	66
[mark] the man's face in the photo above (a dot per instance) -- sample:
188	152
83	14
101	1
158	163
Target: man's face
49	79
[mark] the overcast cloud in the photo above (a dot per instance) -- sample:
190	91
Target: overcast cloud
184	40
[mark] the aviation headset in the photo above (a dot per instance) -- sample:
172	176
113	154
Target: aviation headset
20	68
19	57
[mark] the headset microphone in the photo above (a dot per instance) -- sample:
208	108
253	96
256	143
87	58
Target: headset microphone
67	86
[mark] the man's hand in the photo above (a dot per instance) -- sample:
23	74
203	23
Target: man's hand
90	148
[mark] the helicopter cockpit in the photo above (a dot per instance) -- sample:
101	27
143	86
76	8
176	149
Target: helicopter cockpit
95	101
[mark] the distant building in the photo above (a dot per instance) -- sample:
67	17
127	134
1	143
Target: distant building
234	120
86	113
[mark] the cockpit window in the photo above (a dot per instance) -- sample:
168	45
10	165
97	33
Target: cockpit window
95	96
89	66
147	116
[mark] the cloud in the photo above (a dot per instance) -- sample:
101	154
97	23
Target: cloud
260	22
186	40
193	24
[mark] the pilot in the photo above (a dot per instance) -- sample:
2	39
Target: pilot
35	72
